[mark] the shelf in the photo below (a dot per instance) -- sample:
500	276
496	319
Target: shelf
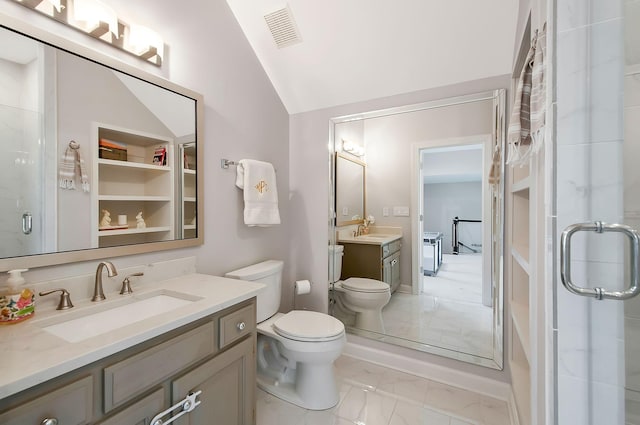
191	172
189	227
521	255
133	231
134	198
189	199
520	318
521	185
131	164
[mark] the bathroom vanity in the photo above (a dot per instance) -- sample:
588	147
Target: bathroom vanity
374	256
133	373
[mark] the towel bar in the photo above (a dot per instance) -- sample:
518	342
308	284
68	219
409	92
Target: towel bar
224	163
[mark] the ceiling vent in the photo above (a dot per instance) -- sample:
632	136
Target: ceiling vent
283	27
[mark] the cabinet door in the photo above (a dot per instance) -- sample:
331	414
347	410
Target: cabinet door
228	386
139	413
391	270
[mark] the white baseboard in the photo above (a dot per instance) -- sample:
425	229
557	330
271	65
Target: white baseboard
445	375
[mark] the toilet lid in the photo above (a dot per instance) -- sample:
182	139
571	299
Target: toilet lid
361	284
303	325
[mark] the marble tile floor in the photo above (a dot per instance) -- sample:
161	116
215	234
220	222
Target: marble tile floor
449	313
374	395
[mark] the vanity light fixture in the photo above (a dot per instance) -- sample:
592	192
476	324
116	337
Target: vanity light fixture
352	148
94	17
100	21
48	7
143	42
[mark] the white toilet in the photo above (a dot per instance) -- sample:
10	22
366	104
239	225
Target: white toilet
365	297
296	350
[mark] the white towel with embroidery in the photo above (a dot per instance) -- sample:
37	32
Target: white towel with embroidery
258	181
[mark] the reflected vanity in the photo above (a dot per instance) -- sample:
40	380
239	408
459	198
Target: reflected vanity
429	167
138	138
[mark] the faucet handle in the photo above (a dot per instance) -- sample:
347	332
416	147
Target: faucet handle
126	284
65	298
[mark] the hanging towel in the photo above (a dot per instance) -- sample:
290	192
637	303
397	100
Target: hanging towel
526	126
71	167
539	91
494	171
258	180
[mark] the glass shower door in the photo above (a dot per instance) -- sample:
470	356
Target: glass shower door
597	123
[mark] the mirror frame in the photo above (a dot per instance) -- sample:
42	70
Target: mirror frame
364	188
498	96
50	259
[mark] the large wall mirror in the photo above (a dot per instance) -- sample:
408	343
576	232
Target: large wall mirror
99	159
434	185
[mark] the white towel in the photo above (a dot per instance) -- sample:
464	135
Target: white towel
258	180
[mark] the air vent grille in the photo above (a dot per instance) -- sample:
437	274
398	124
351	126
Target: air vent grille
283	27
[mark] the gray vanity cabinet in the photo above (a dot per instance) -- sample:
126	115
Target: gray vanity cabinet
228	386
215	355
373	261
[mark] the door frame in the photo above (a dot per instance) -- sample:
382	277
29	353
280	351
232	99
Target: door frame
417	204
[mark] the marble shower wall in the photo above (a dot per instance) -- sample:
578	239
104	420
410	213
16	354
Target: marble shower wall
589	187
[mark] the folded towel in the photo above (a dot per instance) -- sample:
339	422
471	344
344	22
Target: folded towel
258	180
72	166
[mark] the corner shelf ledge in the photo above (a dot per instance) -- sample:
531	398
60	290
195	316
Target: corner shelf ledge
134	231
131	164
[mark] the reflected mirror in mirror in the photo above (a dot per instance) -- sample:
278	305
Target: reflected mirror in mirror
350	199
92	157
437	281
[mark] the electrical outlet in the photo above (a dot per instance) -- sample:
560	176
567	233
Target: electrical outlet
345	211
385	211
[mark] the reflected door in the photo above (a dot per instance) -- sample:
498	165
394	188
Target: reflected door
21	167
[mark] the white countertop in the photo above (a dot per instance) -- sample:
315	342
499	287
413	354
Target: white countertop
370	239
30	355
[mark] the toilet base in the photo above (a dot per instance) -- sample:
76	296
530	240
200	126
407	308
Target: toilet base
370	321
315	387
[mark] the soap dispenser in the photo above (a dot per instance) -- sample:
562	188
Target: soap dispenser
16	303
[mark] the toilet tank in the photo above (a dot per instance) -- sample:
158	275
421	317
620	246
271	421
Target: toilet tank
269	273
335	262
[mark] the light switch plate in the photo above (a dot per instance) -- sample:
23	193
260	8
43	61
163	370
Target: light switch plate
401	211
345	211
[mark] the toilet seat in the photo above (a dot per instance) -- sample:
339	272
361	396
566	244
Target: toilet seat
308	326
360	284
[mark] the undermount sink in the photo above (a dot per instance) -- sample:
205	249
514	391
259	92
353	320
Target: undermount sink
376	236
89	322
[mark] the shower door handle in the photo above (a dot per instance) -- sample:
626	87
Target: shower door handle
27	223
599	293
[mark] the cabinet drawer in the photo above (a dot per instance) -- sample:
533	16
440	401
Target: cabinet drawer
140	372
70	405
139	413
391	247
236	325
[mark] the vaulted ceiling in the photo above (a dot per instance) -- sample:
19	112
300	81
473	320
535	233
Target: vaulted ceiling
357	50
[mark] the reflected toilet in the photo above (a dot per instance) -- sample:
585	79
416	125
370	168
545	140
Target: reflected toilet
362	296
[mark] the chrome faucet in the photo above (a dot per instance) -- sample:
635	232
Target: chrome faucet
360	230
98	293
